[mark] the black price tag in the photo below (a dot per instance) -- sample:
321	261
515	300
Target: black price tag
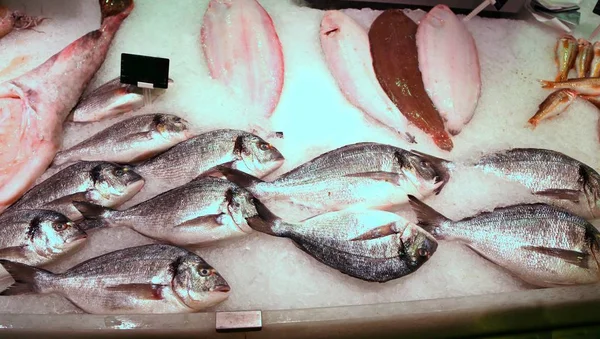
596	9
144	71
500	3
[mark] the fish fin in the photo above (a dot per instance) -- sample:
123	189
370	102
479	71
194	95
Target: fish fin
378	232
571	195
26	278
96	216
442	168
428	218
140	291
238	177
67	199
548	84
13	253
209	221
264	221
390	177
213	171
572	257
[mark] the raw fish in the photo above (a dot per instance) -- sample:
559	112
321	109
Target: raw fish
10	20
34	106
244	53
565	54
449	64
555	104
585	55
595	66
585	86
392	38
346	48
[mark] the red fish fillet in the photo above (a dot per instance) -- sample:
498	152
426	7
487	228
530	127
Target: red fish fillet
34	106
244	53
392	38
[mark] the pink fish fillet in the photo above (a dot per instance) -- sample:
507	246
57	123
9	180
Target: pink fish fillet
34	106
449	64
347	52
244	53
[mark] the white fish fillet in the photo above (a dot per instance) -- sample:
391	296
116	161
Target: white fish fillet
449	64
346	47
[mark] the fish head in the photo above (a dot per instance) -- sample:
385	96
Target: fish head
240	205
590	180
197	284
172	127
426	172
257	157
51	234
114	184
417	246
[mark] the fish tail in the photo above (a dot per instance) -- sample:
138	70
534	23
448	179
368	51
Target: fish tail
28	279
96	216
110	8
549	84
264	221
239	178
428	218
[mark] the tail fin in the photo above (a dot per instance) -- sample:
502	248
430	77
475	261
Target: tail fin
27	278
115	7
442	168
265	221
95	216
239	178
428	218
547	84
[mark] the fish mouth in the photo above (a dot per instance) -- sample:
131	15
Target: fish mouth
76	241
222	288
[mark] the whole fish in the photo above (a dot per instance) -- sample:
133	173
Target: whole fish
109	100
101	183
448	56
363	175
546	173
143	279
34	105
368	244
542	245
243	52
553	105
202	211
585	55
187	160
37	237
131	140
392	35
595	66
565	55
585	86
10	20
345	45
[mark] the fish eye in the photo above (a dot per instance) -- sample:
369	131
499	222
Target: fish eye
60	227
119	172
205	272
264	146
423	252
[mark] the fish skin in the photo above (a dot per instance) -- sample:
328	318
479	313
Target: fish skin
345	45
144	279
585	86
565	55
201	212
191	158
131	140
535	242
553	105
38	237
585	55
109	100
244	53
448	56
393	34
33	106
363	175
595	66
546	172
98	182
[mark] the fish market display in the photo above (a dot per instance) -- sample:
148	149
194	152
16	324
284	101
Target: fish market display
143	279
448	56
367	244
540	244
392	35
131	140
101	183
37	237
547	173
363	175
585	55
244	53
555	104
187	160
595	65
565	55
33	107
202	211
109	100
584	86
10	20
346	48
